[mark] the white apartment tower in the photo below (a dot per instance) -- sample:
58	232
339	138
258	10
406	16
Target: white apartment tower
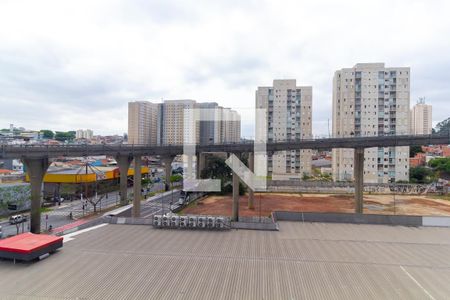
87	134
288	116
371	100
421	118
142	122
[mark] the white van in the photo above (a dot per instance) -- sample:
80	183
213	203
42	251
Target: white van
17	219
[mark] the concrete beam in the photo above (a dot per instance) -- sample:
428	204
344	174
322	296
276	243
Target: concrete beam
137	187
358	173
251	166
124	161
167	161
36	169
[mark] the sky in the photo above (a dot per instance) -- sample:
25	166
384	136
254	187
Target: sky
66	65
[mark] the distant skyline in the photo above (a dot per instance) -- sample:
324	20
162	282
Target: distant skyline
70	65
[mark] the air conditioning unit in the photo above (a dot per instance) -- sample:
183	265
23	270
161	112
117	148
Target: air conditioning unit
165	221
201	222
211	222
184	221
192	222
174	221
157	220
220	223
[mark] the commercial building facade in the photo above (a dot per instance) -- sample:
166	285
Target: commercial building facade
421	118
289	114
370	100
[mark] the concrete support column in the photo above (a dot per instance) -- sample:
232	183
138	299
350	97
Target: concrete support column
167	161
358	173
235	206
201	162
36	168
137	186
123	161
251	166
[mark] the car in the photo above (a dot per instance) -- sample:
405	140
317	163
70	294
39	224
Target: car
1	232
17	219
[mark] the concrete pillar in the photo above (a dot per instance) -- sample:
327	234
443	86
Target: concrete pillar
36	168
123	161
235	215
167	161
137	186
235	206
251	166
201	163
358	173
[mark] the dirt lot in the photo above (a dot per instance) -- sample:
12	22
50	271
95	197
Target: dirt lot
265	203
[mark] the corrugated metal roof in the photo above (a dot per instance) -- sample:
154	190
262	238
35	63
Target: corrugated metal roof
302	260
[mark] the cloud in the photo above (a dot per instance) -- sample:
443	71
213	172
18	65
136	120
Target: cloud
67	65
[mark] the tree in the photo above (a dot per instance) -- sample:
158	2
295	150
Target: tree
47	134
443	127
413	150
421	175
216	168
440	164
65	136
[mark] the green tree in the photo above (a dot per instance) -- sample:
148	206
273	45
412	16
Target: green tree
413	150
421	175
216	168
440	164
442	127
176	178
47	134
65	136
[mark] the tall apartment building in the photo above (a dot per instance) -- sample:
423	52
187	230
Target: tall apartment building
289	110
87	134
230	126
421	118
176	121
142	122
369	100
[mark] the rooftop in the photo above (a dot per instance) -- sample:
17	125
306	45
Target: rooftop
302	260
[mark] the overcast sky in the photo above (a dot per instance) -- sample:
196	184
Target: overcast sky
66	65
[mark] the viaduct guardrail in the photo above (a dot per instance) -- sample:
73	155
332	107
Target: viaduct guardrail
50	151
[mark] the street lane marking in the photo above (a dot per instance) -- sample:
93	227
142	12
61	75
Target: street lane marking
69	237
418	284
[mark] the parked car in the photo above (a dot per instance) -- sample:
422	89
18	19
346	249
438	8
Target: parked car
1	232
17	219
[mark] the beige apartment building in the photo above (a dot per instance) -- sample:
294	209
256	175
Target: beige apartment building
421	118
174	122
178	123
370	100
289	113
142	122
230	129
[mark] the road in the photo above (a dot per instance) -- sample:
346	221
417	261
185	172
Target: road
156	205
59	215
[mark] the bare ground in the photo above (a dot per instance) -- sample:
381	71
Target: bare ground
265	203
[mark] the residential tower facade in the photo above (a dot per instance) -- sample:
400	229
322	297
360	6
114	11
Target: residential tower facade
371	100
289	113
